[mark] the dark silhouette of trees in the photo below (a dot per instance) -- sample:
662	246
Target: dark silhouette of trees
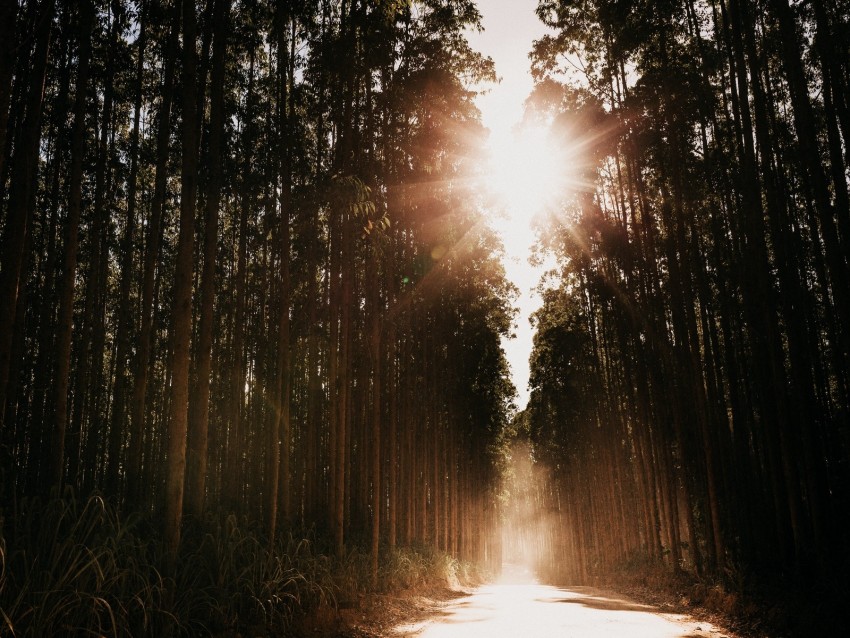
240	255
244	271
689	377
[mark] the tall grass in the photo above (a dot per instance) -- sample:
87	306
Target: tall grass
67	569
425	567
70	567
77	569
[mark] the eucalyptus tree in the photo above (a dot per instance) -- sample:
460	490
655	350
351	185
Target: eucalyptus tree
697	257
270	253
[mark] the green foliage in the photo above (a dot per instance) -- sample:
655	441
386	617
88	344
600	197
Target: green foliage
351	194
248	582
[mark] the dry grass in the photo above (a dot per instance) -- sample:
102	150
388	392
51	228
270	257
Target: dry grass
70	567
745	603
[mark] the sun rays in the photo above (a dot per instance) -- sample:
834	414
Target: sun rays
525	171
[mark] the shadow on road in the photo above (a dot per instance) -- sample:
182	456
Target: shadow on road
600	602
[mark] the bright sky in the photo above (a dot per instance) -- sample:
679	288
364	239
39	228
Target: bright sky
510	27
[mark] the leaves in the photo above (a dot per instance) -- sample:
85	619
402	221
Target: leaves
673	349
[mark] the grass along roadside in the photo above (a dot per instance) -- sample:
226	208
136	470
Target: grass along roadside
785	606
72	567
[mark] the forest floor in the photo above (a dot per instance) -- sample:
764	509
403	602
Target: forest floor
516	607
380	615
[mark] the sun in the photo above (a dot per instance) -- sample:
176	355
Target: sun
525	171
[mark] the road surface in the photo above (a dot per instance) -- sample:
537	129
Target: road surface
526	609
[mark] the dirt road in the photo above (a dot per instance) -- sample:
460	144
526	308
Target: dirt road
528	609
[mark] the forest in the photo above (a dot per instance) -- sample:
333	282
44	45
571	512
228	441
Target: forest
245	286
689	400
252	312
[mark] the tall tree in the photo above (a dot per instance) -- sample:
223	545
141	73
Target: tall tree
118	422
21	200
198	433
696	255
181	316
71	244
141	372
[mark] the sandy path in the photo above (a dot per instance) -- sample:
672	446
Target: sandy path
528	609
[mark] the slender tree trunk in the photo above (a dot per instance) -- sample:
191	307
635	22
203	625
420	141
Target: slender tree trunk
118	425
8	44
69	259
45	360
280	436
181	326
142	363
21	200
199	409
377	405
393	411
236	418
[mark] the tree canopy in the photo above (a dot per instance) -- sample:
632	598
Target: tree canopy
690	369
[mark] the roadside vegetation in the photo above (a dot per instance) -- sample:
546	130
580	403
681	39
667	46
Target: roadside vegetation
72	567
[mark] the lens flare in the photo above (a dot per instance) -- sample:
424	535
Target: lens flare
525	172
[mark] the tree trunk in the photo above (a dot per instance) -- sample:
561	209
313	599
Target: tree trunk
118	425
198	438
181	323
21	202
136	488
69	252
375	329
8	44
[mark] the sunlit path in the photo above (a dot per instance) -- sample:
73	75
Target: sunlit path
526	608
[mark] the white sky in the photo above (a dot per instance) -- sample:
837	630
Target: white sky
510	26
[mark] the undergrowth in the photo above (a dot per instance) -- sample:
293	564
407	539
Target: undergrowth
425	567
747	602
77	568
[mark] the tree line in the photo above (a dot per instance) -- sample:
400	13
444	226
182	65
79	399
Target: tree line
690	369
244	269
